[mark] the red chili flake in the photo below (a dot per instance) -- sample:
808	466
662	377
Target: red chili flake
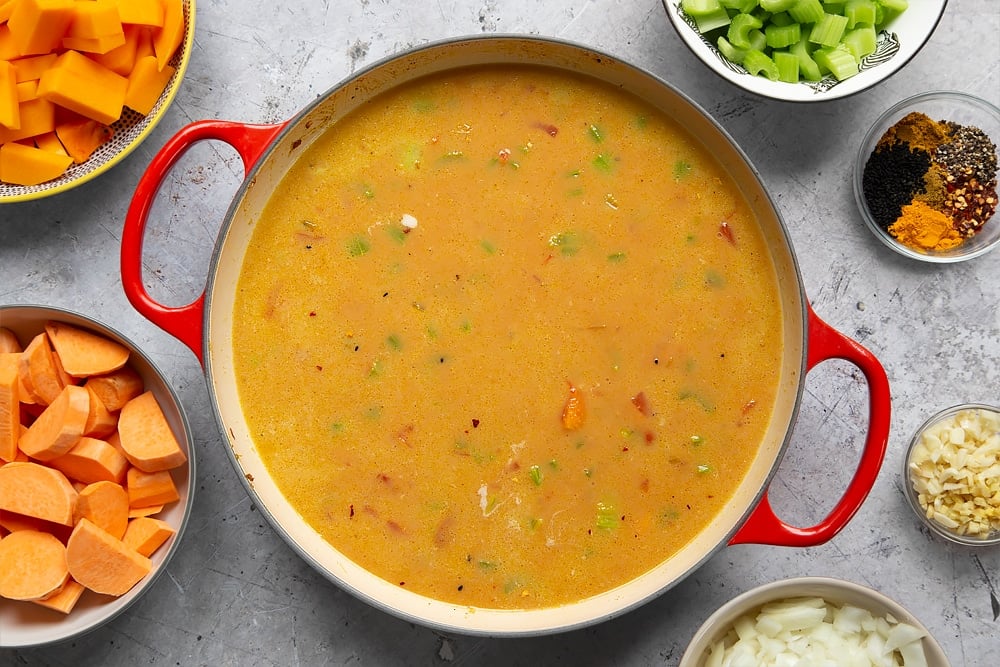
650	437
319	368
625	448
312	313
351	510
475	423
726	232
549	129
641	403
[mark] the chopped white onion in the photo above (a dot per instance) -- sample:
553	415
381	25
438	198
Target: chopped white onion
811	632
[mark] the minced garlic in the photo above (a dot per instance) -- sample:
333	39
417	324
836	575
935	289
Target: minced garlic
955	471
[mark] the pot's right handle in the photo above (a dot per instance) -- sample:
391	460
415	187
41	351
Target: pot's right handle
763	526
184	322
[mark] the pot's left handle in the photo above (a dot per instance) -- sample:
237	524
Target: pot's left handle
183	322
763	526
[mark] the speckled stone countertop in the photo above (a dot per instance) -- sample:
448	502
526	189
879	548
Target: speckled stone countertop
236	594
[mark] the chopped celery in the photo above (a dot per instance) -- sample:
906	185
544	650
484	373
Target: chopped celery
742	6
758	62
860	42
757	40
776	5
739	30
707	14
828	30
806	11
731	53
807	66
859	11
778	36
788	66
781	19
837	60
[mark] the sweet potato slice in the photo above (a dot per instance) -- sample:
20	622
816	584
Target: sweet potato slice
32	565
65	599
13	522
137	512
146	534
39	372
59	426
103	563
92	460
105	504
10	406
84	353
100	422
147	440
117	388
9	341
36	490
150	488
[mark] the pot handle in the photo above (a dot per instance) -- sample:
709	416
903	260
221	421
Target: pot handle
763	526
183	322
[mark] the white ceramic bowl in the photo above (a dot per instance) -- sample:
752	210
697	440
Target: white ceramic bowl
957	107
834	591
129	131
23	624
936	527
897	44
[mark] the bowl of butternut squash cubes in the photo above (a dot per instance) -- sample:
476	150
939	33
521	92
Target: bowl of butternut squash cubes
82	83
96	474
804	50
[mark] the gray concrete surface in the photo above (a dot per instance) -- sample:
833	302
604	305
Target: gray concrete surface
235	594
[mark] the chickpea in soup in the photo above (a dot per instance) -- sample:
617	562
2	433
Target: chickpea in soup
507	336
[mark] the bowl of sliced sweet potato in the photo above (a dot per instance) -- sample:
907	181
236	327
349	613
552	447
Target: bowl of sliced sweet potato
96	473
82	84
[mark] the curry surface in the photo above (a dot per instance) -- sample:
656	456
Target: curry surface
507	337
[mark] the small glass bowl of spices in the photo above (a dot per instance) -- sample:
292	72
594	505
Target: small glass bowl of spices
926	177
951	474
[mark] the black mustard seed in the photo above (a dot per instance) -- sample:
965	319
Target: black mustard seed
893	174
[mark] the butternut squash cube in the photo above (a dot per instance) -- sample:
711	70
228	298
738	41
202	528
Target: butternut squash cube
169	37
50	142
81	137
94	19
101	44
7	49
84	86
145	84
38	26
10	115
27	90
38	116
121	59
31	68
6	8
26	165
141	12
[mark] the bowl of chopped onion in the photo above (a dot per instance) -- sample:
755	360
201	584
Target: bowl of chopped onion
951	474
813	621
804	50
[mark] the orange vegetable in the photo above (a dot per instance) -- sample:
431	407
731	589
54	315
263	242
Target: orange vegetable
103	563
83	352
121	59
10	406
38	371
146	83
25	165
27	91
94	44
97	18
92	460
136	512
50	142
65	599
8	51
79	84
33	565
38	26
141	12
100	422
81	137
106	504
150	488
37	116
146	534
13	522
146	437
10	115
37	491
31	68
169	37
9	341
59	427
117	388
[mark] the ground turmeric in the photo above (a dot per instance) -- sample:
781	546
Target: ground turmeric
923	228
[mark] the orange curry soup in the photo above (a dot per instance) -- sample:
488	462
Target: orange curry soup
507	337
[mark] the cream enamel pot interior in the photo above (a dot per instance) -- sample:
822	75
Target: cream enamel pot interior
205	326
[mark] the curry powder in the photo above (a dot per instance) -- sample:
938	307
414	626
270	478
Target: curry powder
919	131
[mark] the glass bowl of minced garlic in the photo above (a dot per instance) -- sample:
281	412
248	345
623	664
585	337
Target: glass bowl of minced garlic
951	474
925	179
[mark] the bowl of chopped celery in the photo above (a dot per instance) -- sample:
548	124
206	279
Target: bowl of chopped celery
813	621
804	50
925	177
950	474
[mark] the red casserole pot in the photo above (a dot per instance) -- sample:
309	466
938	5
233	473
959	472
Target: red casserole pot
205	326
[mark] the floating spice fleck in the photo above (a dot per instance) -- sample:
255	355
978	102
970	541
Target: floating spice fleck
931	184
